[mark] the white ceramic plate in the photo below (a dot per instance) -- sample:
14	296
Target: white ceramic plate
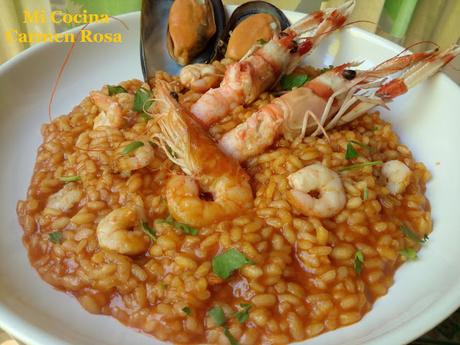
424	292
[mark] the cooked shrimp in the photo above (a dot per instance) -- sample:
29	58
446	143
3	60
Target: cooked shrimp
201	77
110	111
66	198
333	98
398	176
115	232
137	159
319	179
264	65
208	167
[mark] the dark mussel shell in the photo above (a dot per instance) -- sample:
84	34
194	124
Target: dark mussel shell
245	10
154	26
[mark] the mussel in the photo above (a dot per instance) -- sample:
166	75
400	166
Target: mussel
189	29
251	23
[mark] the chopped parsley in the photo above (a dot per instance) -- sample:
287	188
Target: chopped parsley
261	41
230	337
364	146
359	261
55	237
351	152
412	235
150	232
132	147
409	253
360	165
114	89
142	101
365	194
224	264
243	315
186	229
217	314
70	178
290	81
187	311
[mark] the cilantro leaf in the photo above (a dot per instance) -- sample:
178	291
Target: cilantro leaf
132	147
409	253
217	314
359	261
351	152
70	178
243	315
224	264
150	232
186	229
230	337
187	311
290	81
55	237
114	89
412	235
360	165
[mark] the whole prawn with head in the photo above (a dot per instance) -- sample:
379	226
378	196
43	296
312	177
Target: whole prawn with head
207	168
264	64
333	98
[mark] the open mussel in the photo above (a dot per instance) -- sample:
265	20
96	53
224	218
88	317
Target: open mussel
252	23
189	29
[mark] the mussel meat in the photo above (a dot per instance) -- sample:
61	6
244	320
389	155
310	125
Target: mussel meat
188	28
251	23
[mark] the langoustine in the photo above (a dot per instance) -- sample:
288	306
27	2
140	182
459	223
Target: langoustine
262	67
207	168
335	97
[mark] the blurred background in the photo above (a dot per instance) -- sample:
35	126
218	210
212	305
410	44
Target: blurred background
402	21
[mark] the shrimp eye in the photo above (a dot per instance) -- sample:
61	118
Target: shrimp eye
349	74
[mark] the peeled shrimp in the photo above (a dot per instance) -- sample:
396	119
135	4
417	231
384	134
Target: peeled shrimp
333	98
319	179
208	168
398	176
139	158
114	232
110	111
66	198
200	77
264	65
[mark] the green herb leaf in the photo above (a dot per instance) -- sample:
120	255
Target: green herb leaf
230	337
150	232
351	152
261	41
187	311
375	128
359	261
425	238
70	178
412	235
145	116
171	152
114	89
409	253
224	264
290	81
217	314
364	146
186	229
132	147
365	194
55	237
141	97
360	165
243	315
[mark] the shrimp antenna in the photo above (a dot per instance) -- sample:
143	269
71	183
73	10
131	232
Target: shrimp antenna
64	63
